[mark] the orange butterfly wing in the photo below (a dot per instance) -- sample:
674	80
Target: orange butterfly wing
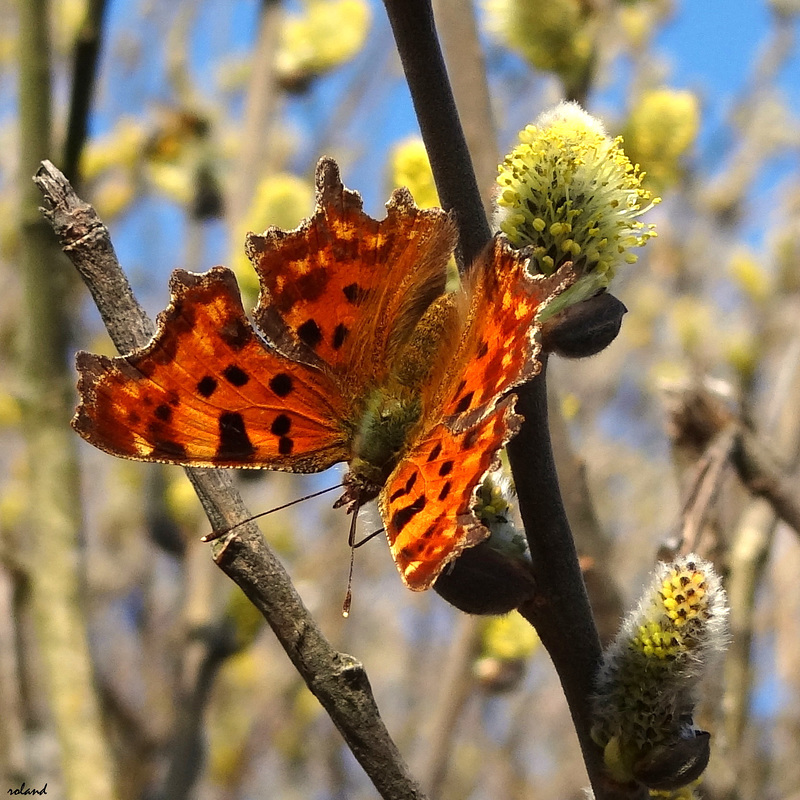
427	502
500	345
346	287
208	391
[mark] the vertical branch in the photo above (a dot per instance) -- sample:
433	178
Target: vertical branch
458	30
415	34
54	514
749	552
12	731
591	540
456	686
561	611
84	75
259	114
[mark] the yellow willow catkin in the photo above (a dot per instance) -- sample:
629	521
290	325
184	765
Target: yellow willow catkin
570	193
647	685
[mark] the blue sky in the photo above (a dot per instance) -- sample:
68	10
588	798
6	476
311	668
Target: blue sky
708	46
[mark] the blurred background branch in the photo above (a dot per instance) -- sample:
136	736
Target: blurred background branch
51	555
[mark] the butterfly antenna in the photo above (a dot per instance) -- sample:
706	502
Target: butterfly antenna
368	537
217	534
351	541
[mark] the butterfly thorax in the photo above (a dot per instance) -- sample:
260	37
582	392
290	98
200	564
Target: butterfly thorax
386	426
382	434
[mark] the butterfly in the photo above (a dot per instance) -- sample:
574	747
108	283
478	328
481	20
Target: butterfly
357	353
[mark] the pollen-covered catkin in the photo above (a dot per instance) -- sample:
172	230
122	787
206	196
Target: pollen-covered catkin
569	192
647	685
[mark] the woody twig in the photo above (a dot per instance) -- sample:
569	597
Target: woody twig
698	417
338	680
560	611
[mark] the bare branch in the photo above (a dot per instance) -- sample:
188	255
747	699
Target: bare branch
709	473
52	517
456	686
697	416
257	157
591	541
458	30
337	679
760	472
560	612
423	64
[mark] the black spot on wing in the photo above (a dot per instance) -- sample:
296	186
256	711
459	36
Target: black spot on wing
164	351
410	551
234	443
404	490
207	386
310	334
403	516
281	384
164	412
434	454
281	425
431	530
235	375
446	468
285	445
470	437
354	293
445	490
168	449
236	333
464	403
483	350
339	335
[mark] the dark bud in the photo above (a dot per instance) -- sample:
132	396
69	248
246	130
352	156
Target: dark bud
670	766
484	581
584	329
162	527
297	83
207	201
497	675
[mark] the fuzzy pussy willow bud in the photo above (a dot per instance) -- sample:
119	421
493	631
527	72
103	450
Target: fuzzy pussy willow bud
493	577
648	682
570	193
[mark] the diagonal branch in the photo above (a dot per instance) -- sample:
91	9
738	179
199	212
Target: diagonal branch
697	416
338	681
760	472
710	471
